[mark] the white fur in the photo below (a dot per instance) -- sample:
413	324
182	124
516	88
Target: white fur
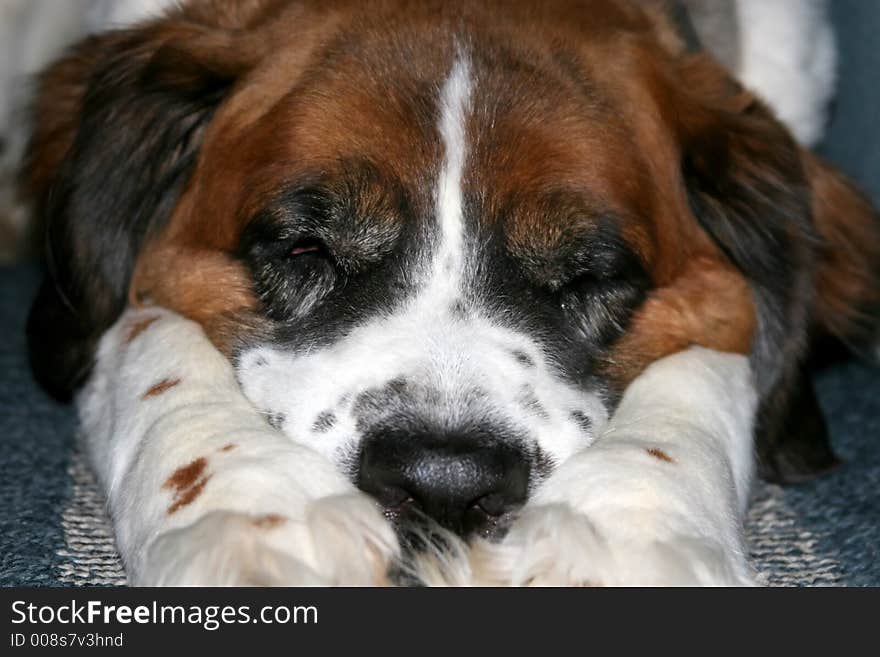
788	55
446	272
455	356
330	532
616	515
612	514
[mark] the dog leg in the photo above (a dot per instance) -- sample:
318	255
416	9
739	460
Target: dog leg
201	489
657	500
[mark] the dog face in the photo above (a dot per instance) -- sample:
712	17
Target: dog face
435	243
422	304
450	302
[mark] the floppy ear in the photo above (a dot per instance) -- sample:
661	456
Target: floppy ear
807	243
117	129
848	272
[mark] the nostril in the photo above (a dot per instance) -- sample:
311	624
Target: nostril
489	517
391	497
493	504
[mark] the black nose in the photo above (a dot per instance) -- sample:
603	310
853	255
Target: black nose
468	485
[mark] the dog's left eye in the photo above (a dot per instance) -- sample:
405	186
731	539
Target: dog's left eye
308	261
291	272
308	246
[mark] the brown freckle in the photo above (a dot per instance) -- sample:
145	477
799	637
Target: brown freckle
660	454
228	448
139	327
160	387
188	495
187	482
268	521
185	477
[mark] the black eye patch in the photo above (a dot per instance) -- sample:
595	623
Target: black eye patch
292	268
314	237
598	255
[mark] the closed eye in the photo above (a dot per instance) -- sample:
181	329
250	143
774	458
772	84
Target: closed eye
306	246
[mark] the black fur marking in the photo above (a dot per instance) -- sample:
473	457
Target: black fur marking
793	443
522	358
542	465
133	153
276	420
398	385
681	19
575	302
349	218
325	421
582	420
530	402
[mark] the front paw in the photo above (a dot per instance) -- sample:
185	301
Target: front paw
552	545
341	540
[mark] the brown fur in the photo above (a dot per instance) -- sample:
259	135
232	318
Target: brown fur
848	272
139	327
269	521
660	455
187	483
595	109
163	386
708	305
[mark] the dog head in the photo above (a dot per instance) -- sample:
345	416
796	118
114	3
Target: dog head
435	241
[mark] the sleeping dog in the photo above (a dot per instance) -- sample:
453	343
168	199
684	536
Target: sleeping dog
450	292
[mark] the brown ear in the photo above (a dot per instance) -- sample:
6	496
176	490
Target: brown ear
794	444
807	243
118	127
749	191
847	303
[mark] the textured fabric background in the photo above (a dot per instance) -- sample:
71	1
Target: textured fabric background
36	438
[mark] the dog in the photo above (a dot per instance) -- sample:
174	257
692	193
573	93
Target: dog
447	292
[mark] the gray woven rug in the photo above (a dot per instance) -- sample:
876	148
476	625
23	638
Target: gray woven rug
89	554
784	552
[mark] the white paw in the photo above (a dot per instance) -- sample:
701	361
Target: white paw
552	545
341	540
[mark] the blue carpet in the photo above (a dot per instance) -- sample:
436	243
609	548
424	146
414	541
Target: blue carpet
845	506
36	439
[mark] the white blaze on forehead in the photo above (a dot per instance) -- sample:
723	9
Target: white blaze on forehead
448	259
482	371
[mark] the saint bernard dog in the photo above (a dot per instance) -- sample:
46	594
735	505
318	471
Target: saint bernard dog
373	292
